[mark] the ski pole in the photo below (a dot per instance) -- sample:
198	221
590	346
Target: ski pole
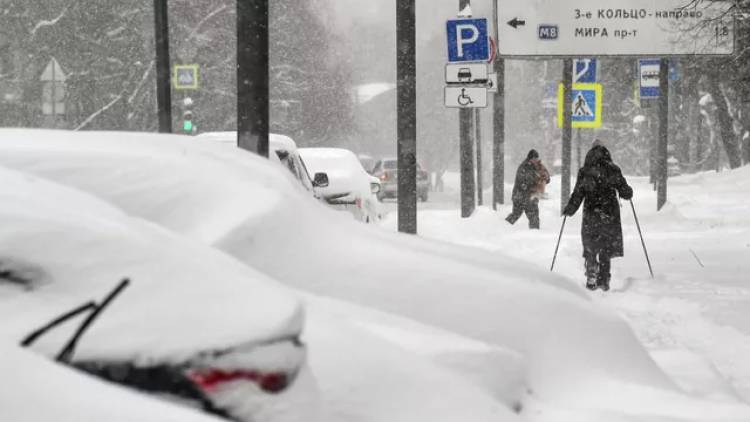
638	224
552	268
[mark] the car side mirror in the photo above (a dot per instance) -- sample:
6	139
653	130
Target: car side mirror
282	154
375	187
320	180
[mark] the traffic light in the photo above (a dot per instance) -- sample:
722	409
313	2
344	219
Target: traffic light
187	122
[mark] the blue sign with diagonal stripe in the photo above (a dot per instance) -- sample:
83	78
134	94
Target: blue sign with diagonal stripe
585	71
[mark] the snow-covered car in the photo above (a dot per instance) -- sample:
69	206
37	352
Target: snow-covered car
188	322
350	187
43	391
283	150
386	171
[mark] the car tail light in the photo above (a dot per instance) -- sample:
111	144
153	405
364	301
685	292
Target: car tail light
210	380
384	177
358	201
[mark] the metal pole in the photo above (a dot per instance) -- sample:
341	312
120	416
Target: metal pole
567	132
163	84
406	69
498	120
643	243
662	174
478	139
54	96
557	248
252	76
468	194
578	148
468	188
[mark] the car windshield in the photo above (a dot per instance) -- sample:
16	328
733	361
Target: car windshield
390	164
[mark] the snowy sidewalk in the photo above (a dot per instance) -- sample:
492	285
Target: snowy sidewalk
694	318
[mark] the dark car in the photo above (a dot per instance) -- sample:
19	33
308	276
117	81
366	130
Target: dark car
386	171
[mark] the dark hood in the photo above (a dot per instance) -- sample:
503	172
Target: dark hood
596	156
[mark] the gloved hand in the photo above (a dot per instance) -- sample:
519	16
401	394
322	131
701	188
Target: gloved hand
569	211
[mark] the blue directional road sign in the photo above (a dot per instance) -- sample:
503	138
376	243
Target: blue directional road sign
468	40
585	71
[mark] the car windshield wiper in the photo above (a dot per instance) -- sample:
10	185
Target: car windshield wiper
31	338
66	354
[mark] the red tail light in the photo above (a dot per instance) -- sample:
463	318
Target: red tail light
212	379
358	201
384	177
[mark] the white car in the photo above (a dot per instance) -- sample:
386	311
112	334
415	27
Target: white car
154	312
283	150
350	187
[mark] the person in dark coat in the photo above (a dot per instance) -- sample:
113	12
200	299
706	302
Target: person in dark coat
599	182
524	189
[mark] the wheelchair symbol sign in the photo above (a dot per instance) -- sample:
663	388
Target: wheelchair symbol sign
465	97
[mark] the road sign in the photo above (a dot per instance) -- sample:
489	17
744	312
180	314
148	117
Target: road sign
615	28
585	71
185	77
649	77
465	97
53	89
468	40
586	112
466	73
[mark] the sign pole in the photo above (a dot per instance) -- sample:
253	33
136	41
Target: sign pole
468	195
252	76
478	138
468	190
578	148
662	171
567	131
406	69
498	123
163	84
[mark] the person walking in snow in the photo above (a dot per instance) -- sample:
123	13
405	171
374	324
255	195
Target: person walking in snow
599	182
531	175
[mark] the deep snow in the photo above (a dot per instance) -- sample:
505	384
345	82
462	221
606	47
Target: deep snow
187	298
577	356
694	318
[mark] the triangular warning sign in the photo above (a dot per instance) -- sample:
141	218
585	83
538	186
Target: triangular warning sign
581	107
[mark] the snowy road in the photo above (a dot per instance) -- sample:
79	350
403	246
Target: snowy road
694	317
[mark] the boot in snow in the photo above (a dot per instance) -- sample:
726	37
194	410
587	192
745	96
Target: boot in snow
591	283
592	273
603	283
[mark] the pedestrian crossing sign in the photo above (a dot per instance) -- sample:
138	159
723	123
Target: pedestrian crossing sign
586	108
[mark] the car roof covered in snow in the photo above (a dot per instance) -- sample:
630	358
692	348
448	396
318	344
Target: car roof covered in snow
60	248
275	141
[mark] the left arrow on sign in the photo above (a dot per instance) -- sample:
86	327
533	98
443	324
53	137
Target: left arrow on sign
515	23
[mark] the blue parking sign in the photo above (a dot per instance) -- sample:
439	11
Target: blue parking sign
468	40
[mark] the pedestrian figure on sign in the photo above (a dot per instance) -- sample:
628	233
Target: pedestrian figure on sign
581	107
531	179
599	182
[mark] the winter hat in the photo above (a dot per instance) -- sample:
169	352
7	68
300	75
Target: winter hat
533	155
